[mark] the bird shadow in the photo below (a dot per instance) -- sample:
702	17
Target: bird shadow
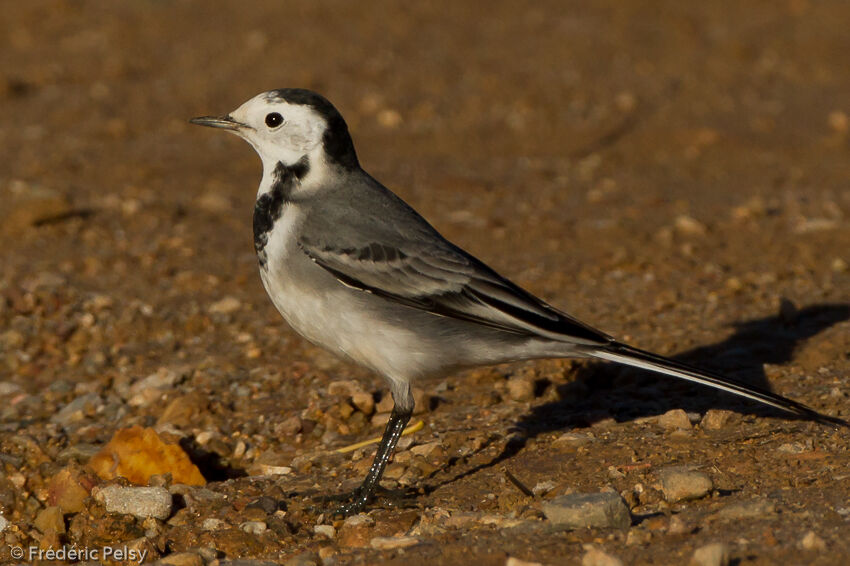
603	390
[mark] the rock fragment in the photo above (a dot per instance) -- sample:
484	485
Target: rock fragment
303	559
811	541
746	510
213	524
594	510
50	518
227	305
689	226
364	402
69	488
182	559
521	389
78	409
356	531
151	388
141	502
681	484
715	419
326	531
714	554
254	527
392	543
574	439
543	487
430	451
676	419
138	453
596	557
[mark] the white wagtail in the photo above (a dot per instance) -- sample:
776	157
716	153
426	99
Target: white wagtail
354	269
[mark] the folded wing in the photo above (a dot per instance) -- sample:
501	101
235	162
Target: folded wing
444	280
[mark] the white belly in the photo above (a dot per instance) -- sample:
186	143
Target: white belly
401	343
343	320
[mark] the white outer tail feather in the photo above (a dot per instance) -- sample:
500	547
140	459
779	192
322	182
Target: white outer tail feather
623	354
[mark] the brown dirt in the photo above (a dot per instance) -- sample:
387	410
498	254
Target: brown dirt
675	173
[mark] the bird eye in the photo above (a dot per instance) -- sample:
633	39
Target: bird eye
274	120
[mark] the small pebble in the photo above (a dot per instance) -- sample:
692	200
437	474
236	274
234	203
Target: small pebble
714	554
385	405
543	487
78	409
675	419
681	484
429	451
678	526
345	387
358	520
389	118
512	561
575	439
254	527
578	510
364	402
793	448
596	557
689	226
811	541
303	559
140	502
213	524
326	531
182	559
50	518
715	419
214	202
392	543
163	378
839	121
521	389
69	488
227	305
746	510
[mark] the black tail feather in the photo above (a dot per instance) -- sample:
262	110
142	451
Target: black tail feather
621	353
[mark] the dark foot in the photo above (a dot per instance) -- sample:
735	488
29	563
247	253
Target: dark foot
397	422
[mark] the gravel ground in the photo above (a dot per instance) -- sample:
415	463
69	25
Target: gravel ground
674	173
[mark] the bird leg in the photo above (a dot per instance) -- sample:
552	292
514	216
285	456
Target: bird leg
399	417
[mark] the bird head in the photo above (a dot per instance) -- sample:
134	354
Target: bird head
288	126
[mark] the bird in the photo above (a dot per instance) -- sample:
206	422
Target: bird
356	270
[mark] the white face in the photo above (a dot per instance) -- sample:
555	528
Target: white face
279	131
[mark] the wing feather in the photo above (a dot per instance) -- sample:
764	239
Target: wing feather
446	281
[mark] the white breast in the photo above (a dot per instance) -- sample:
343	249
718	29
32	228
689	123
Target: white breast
398	342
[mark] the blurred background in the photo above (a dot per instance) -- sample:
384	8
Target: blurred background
672	172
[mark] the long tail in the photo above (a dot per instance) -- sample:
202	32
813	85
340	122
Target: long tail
623	354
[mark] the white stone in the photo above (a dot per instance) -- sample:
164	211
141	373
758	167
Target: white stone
578	510
714	554
392	543
326	531
140	502
595	557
